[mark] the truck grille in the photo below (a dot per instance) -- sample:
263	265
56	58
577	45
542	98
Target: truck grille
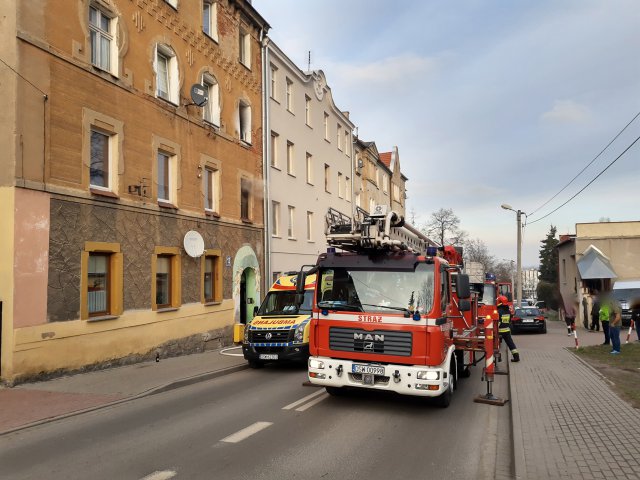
386	342
275	336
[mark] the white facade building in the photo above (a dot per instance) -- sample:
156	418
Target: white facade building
309	167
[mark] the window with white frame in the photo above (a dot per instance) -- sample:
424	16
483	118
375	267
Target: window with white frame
275	219
346	142
340	185
290	159
357	199
274	149
289	95
309	226
173	3
167	80
385	184
211	111
372	205
327	179
211	189
309	163
292	213
274	82
326	126
245	48
307	110
347	185
377	176
210	18
338	136
100	168
244	119
166	177
103	46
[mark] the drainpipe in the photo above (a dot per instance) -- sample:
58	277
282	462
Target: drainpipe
266	156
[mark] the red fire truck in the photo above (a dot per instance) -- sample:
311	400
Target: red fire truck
392	313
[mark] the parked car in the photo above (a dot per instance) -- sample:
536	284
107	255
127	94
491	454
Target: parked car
542	306
526	319
628	294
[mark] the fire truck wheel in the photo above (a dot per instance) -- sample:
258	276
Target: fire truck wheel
335	391
255	364
444	400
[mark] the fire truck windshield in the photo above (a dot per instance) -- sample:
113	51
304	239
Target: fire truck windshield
377	290
284	303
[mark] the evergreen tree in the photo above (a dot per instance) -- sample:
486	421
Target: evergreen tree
549	257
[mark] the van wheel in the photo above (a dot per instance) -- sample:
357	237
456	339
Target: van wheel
255	364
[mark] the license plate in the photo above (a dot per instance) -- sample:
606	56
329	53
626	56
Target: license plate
527	320
356	368
268	356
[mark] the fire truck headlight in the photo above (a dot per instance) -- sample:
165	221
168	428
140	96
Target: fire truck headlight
428	375
316	364
298	336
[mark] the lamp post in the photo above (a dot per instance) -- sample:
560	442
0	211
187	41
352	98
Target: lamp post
519	214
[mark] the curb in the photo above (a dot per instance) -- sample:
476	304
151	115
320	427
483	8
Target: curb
516	427
153	391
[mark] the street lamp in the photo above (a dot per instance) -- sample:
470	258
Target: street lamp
519	214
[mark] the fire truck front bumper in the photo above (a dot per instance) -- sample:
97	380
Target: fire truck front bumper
418	380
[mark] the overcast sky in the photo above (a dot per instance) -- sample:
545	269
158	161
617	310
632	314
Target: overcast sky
488	102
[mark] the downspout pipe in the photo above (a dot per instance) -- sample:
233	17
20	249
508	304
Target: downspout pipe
266	160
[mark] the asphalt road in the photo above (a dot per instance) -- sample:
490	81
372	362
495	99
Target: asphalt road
265	424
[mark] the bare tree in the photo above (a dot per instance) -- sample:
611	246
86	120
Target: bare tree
475	250
444	227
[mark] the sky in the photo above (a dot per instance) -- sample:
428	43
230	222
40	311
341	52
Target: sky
489	103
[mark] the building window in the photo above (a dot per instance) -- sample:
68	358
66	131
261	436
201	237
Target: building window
372	205
340	186
347	185
275	219
211	189
274	149
274	82
290	159
101	285
357	199
211	111
310	226
245	199
377	176
210	19
396	192
99	169
166	274
244	120
289	95
338	139
327	174
326	126
101	30
173	3
290	231
211	266
167	81
245	48
346	142
307	110
385	184
309	162
165	177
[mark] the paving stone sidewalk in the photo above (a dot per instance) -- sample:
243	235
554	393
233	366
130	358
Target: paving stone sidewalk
567	421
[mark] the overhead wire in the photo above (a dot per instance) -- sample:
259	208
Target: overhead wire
593	180
589	164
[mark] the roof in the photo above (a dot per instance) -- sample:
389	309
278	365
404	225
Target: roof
622	285
385	158
595	264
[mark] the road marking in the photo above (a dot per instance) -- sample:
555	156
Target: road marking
225	350
312	403
246	432
163	475
302	400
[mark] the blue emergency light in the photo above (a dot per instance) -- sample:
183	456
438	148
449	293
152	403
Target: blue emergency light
432	251
490	276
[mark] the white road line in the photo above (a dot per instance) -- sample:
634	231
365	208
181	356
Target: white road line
163	475
302	400
312	403
246	432
225	350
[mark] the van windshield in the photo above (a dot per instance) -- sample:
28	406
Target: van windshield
628	297
377	291
284	303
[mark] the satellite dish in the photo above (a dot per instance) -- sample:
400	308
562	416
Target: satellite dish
193	244
199	95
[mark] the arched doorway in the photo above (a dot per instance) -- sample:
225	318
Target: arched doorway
248	295
246	284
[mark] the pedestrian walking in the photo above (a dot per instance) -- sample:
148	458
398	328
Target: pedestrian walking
585	312
615	323
595	315
504	327
603	315
568	314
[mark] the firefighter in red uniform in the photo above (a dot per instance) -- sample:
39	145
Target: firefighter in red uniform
504	327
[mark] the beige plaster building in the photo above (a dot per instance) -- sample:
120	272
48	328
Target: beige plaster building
107	163
309	156
595	258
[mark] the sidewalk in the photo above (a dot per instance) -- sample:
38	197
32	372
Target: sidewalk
567	422
33	403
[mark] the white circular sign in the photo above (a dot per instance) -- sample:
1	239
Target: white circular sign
193	244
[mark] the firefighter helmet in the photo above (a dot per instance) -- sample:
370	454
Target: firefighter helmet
502	300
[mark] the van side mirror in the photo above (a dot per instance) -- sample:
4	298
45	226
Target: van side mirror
300	279
462	287
255	311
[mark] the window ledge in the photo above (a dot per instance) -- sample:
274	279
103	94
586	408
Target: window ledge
103	318
211	37
103	193
246	220
211	304
310	127
291	174
292	238
275	100
212	214
167	309
276	167
168	205
245	144
328	141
